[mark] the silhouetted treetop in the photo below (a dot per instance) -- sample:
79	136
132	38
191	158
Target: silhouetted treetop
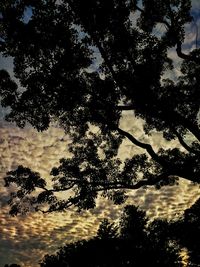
84	64
188	232
121	250
107	230
133	223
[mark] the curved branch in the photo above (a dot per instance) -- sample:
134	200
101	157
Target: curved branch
143	12
183	143
145	146
184	56
193	128
110	186
67	205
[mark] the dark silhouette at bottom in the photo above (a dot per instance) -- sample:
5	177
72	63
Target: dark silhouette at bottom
134	242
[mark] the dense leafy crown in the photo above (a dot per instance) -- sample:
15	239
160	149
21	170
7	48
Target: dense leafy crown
85	64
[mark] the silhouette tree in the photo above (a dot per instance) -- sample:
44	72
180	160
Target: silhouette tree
54	52
133	224
123	250
151	239
107	230
187	232
164	244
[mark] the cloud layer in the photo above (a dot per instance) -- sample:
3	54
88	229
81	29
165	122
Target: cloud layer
25	239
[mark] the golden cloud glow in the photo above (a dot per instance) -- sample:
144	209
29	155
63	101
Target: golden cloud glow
25	239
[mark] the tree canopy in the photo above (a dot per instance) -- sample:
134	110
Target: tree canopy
124	249
84	64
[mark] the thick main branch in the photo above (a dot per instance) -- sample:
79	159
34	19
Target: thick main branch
145	146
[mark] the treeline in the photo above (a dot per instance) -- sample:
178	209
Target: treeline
135	241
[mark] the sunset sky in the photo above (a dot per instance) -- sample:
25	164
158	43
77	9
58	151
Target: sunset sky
26	239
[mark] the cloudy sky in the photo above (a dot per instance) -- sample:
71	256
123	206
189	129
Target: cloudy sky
25	239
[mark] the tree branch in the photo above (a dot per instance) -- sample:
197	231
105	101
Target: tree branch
95	39
145	146
62	189
183	143
139	9
178	42
193	128
109	186
68	204
122	107
143	12
167	113
184	56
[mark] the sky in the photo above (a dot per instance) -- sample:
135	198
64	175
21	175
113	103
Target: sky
26	239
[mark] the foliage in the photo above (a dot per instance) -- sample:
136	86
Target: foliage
107	230
187	232
133	224
54	52
123	250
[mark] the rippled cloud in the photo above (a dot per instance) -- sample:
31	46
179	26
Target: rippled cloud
25	239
